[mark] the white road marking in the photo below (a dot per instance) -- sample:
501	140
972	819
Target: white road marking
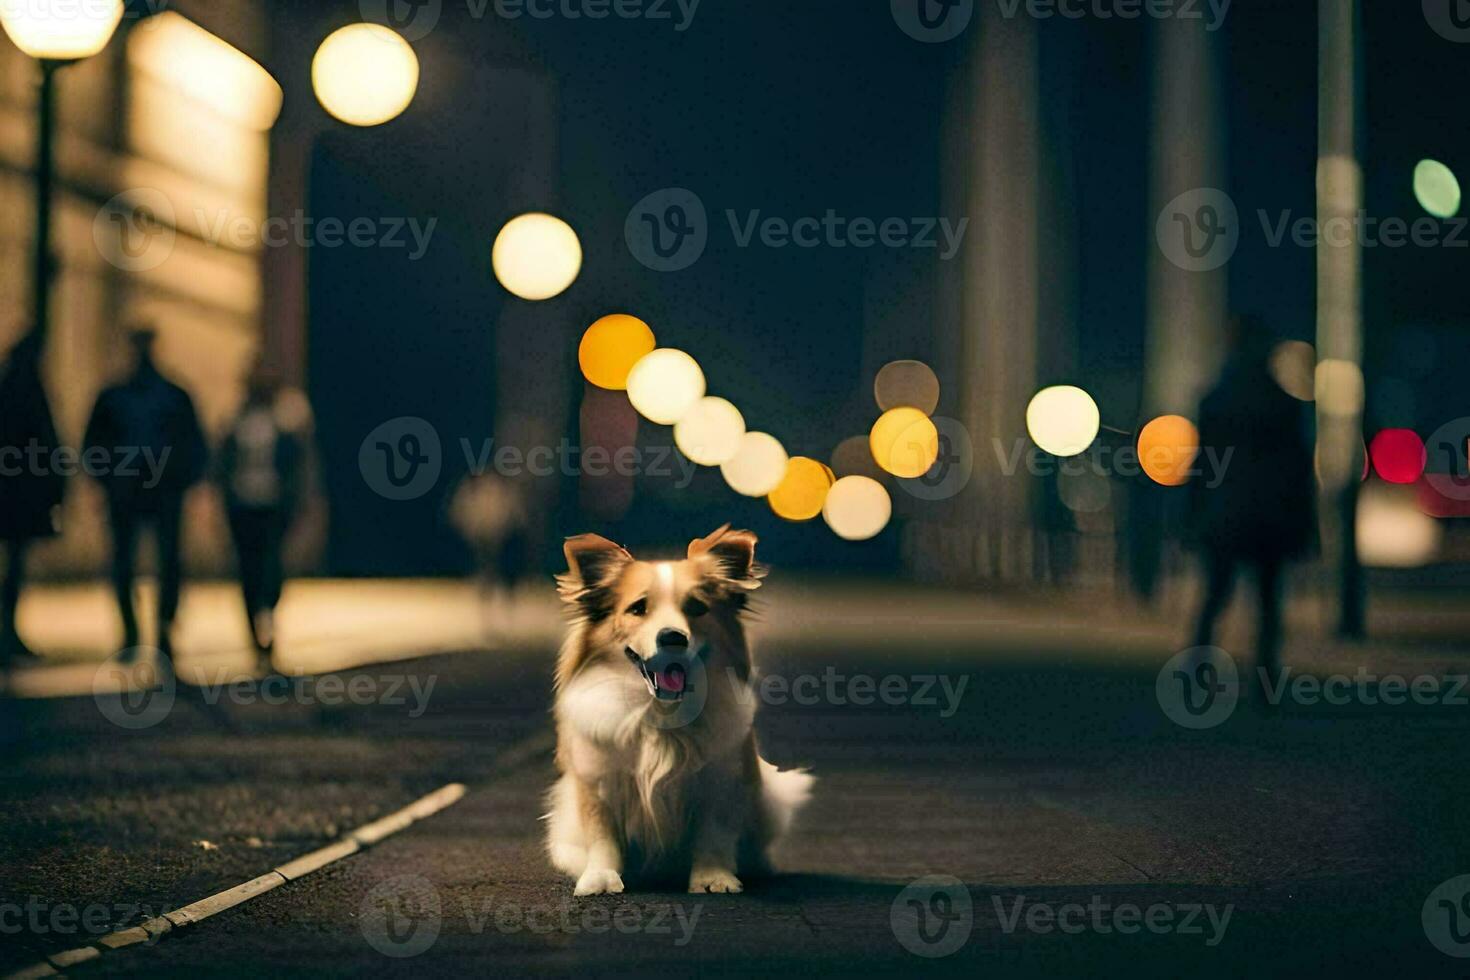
362	837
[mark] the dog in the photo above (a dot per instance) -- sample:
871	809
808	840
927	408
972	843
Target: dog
654	708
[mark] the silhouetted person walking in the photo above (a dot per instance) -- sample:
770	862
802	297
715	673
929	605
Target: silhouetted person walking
31	487
1261	512
261	465
147	427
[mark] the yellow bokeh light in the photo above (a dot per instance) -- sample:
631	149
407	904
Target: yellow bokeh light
710	432
1166	449
365	74
1063	420
611	347
802	490
61	31
857	508
536	256
904	442
1293	365
757	466
910	383
664	385
206	69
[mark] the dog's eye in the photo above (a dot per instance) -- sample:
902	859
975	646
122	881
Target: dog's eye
638	608
694	608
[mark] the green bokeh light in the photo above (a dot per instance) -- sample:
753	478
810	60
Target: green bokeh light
1437	189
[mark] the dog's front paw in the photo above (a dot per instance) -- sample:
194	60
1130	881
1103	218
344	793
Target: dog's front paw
715	880
599	882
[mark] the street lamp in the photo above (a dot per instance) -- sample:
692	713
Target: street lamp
56	34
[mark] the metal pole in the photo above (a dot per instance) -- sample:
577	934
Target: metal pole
45	177
1339	304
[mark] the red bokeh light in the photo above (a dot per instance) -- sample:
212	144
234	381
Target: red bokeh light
1398	455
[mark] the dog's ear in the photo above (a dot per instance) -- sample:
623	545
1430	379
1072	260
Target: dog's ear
593	564
730	558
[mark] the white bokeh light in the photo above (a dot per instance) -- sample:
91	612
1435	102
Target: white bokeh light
710	432
665	385
365	74
757	466
857	508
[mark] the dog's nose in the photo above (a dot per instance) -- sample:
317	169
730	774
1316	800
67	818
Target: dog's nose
672	638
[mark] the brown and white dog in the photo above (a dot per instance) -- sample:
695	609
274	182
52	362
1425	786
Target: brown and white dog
654	705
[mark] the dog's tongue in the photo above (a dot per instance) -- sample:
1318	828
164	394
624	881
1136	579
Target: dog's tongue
671	679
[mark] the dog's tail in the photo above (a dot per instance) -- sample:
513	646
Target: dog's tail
783	793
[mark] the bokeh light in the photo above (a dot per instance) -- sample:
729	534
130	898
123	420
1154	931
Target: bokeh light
906	383
1391	530
61	32
1085	491
1398	455
1436	189
610	348
665	384
757	466
365	74
710	433
536	256
1167	446
1339	387
854	457
1063	420
1293	364
802	490
857	508
904	442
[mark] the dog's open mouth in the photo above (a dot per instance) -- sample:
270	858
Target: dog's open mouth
667	678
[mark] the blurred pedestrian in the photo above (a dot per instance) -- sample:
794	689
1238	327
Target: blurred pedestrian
261	467
489	514
146	426
1260	514
31	487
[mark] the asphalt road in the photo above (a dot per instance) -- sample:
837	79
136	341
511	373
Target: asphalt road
1045	819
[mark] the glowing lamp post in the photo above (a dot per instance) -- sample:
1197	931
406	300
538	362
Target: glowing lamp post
56	35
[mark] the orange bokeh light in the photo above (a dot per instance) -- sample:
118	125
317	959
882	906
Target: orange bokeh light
1166	449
